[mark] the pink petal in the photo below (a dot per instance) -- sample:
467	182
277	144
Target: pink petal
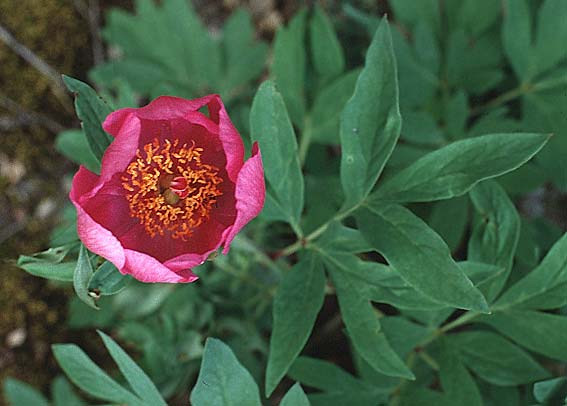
122	150
93	235
187	261
250	194
147	269
229	137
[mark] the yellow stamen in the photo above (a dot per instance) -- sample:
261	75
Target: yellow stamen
159	209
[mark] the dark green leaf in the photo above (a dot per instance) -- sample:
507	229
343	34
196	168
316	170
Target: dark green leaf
19	393
517	37
551	34
84	373
138	380
107	280
288	69
539	332
495	237
63	394
298	300
330	101
363	325
73	145
544	287
339	238
546	391
458	384
496	359
270	126
223	381
326	52
295	397
83	274
455	169
370	122
420	256
47	264
92	111
449	218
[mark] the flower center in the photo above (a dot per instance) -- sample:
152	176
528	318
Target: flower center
168	188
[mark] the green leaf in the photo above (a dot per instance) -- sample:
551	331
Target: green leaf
517	37
92	111
547	391
458	384
450	218
295	397
497	360
326	51
48	264
84	373
542	288
63	394
551	34
19	393
223	381
244	58
73	145
288	68
107	280
83	274
339	238
270	126
543	333
420	256
371	121
410	12
455	169
363	325
328	104
298	300
138	380
495	237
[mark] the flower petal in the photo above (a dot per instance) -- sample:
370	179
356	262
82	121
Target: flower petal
147	269
250	194
93	235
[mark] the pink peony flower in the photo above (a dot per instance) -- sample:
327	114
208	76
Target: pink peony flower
173	188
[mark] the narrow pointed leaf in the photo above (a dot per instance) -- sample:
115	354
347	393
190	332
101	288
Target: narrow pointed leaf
271	127
295	397
371	121
453	170
296	305
420	256
84	373
138	380
326	52
83	274
18	393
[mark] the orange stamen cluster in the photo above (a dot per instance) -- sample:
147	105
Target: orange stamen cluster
168	188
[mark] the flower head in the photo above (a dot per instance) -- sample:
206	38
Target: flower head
173	188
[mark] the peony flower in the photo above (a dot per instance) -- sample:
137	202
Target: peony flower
173	188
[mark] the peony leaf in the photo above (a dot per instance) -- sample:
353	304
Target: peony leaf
19	393
543	333
497	360
223	381
138	380
453	170
418	253
495	236
73	144
296	305
271	127
517	37
363	326
542	288
295	397
83	274
288	68
92	111
63	394
107	280
370	121
326	51
84	373
48	264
